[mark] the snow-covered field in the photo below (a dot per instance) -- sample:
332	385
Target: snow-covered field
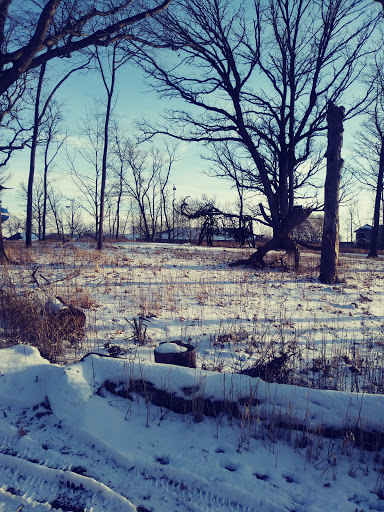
76	435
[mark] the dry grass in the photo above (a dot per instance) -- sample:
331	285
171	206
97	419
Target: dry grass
24	318
237	318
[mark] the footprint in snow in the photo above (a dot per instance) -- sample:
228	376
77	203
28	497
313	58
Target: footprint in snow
230	467
164	461
261	477
289	479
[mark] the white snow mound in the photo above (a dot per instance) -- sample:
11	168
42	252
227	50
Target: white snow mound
170	348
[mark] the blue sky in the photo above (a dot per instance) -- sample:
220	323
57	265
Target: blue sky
135	100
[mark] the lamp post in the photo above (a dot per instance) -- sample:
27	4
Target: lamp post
173	213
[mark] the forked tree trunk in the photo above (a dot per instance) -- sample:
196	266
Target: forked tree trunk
330	240
295	218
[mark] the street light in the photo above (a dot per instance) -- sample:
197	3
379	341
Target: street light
173	213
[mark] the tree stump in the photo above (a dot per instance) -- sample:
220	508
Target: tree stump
176	352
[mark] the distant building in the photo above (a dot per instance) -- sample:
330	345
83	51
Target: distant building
16	236
363	237
21	236
4	214
194	235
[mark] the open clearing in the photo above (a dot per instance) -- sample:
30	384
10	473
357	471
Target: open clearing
302	361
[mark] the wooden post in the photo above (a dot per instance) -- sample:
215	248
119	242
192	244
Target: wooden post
330	240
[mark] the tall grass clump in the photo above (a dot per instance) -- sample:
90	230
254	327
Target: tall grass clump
24	319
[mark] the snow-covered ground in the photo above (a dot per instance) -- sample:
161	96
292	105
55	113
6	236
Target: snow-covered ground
69	442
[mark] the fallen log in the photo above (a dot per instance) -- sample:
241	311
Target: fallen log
199	406
68	319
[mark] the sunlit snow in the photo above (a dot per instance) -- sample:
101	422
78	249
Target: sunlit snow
68	442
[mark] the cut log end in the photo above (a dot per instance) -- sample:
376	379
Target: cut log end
72	316
186	358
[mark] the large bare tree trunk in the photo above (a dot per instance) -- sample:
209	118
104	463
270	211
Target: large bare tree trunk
280	238
3	256
330	240
32	160
376	217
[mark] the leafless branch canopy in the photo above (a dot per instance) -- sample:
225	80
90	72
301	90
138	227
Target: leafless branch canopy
256	81
31	33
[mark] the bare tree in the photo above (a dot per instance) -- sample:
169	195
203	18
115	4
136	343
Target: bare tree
39	115
54	199
114	60
73	220
126	164
234	168
37	205
86	173
15	225
3	255
260	82
145	178
32	159
15	124
120	153
369	167
163	179
310	231
353	215
31	34
52	143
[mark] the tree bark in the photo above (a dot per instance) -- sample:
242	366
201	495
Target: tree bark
110	91
376	216
3	255
119	196
36	124
104	172
330	240
66	314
